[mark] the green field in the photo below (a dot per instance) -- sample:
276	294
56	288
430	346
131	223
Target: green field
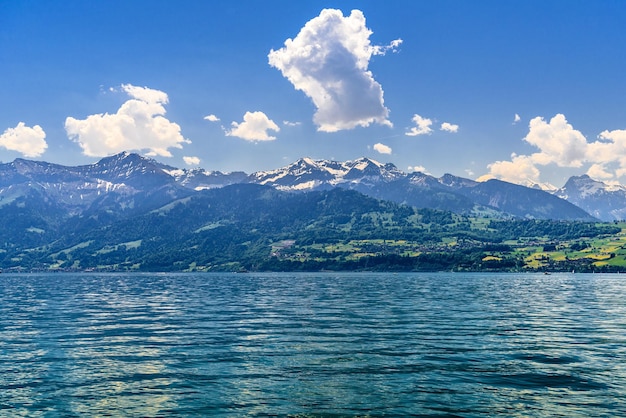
606	252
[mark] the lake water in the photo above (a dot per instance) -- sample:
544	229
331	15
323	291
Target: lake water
445	344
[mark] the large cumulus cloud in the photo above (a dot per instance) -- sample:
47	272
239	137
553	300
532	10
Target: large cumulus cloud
138	125
557	141
328	61
559	144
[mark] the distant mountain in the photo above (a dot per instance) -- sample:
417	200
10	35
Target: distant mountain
387	182
121	184
132	212
250	227
605	202
524	202
546	187
307	174
127	184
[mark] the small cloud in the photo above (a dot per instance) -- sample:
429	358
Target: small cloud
449	127
393	47
382	148
191	160
395	44
417	168
516	119
145	94
328	61
138	125
422	126
288	123
30	142
519	170
212	118
599	172
254	127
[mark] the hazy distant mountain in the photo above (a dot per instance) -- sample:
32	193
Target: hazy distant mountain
604	201
387	182
126	210
119	184
127	184
307	174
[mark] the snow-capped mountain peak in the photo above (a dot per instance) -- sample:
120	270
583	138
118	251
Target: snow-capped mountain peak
546	187
604	201
308	174
129	182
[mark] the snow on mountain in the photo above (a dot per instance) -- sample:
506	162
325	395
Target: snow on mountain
199	179
546	187
387	182
126	181
604	201
309	174
454	181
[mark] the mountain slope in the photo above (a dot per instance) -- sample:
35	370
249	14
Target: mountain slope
385	181
308	174
217	227
124	183
523	201
127	185
606	202
254	227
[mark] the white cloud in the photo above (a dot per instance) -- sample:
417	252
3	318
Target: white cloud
137	125
608	153
145	94
562	145
212	118
422	126
557	141
254	127
382	148
191	160
419	168
516	119
449	127
599	172
288	123
30	142
610	148
328	61
519	170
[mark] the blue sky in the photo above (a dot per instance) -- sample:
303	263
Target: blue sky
526	91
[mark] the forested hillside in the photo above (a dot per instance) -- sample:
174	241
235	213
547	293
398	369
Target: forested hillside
251	227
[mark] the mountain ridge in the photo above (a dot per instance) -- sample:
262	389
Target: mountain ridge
606	202
129	176
128	212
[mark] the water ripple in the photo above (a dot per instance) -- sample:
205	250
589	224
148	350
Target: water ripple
310	345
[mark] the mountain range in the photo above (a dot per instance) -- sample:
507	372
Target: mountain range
131	212
128	183
606	202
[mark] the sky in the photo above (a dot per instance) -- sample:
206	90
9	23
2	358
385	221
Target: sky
524	91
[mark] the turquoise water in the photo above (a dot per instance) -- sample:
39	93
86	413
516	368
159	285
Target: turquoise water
312	345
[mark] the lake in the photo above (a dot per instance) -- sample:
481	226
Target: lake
313	344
